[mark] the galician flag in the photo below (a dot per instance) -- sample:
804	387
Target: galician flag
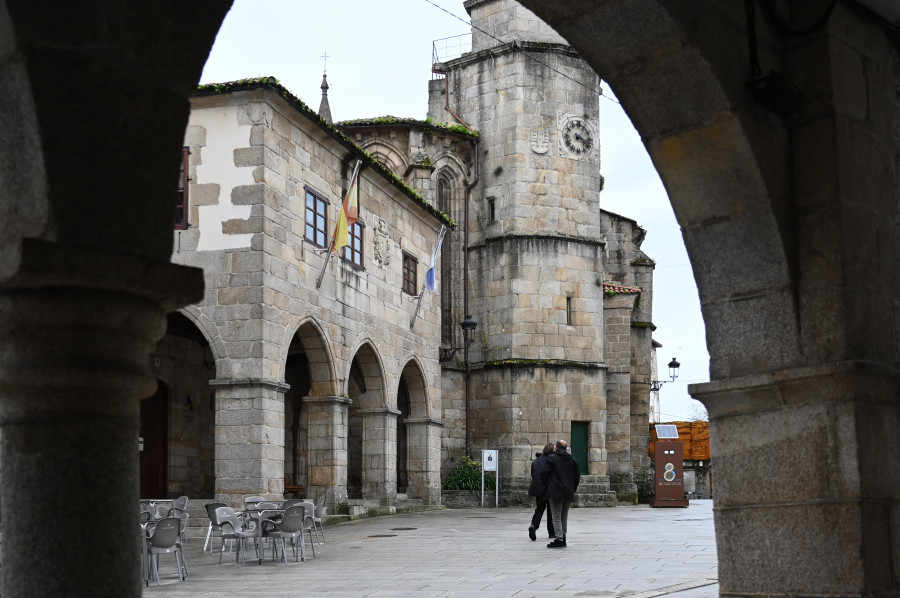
430	282
349	213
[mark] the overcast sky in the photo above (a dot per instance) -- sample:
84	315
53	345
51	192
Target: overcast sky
379	63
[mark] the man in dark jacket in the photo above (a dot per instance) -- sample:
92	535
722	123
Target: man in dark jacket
560	478
537	491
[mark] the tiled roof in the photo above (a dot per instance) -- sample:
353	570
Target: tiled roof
610	288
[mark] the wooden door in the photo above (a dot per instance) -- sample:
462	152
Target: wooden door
579	445
155	434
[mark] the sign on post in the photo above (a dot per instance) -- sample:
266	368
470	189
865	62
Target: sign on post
489	463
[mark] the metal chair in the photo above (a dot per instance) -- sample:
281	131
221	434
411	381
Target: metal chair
214	525
164	538
233	528
290	526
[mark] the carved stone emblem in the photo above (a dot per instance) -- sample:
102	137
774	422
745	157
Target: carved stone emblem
540	141
382	256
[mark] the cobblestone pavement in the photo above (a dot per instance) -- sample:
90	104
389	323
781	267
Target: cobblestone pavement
633	551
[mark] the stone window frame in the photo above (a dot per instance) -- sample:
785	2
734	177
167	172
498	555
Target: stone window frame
354	251
410	274
319	223
182	206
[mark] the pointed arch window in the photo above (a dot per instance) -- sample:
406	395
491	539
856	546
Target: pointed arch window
444	199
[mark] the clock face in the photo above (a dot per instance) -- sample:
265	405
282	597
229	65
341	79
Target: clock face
578	137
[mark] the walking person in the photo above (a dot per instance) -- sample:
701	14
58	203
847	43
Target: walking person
560	477
537	491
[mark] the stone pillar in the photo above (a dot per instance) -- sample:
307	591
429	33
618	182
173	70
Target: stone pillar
379	452
327	456
73	368
804	465
424	467
249	439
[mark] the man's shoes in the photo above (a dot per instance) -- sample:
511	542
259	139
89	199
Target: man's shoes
531	533
557	544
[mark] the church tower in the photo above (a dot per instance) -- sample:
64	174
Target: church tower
535	245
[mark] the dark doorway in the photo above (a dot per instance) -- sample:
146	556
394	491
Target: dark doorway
155	435
296	374
579	445
402	438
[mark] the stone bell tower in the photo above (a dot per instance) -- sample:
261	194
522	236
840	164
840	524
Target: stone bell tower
536	249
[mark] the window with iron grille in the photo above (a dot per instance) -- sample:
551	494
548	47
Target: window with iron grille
316	219
181	200
353	251
409	274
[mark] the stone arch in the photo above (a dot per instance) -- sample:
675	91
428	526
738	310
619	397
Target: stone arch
388	154
414	375
208	329
371	425
418	436
310	333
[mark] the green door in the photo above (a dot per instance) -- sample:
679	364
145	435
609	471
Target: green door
579	445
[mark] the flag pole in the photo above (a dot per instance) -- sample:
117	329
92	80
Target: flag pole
334	235
412	321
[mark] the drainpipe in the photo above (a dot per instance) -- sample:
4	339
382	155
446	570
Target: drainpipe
466	290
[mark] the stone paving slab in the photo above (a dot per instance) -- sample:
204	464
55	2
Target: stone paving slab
633	551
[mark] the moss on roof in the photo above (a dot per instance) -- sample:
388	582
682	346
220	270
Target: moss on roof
409	122
272	84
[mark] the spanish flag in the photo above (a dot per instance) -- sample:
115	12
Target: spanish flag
349	213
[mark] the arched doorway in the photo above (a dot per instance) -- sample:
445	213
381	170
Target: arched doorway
181	461
154	443
371	429
402	437
297	376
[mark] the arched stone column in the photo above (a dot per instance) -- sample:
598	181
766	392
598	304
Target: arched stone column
379	453
327	457
792	228
424	440
249	439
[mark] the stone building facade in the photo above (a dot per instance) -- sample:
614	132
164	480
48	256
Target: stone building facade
325	384
559	288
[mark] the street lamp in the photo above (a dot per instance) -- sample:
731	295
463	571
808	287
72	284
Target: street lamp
468	327
655	385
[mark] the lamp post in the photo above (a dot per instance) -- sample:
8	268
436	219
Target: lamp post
468	327
655	385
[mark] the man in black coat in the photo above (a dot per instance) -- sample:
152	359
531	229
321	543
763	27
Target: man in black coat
537	491
560	478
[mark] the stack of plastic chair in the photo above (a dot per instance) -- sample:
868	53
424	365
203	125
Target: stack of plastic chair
290	526
291	502
233	528
214	525
164	538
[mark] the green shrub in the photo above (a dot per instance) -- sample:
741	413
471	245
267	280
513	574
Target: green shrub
645	478
467	476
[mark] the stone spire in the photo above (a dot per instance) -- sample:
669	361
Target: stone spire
324	108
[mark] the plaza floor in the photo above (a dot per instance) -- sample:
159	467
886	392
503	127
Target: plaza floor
633	551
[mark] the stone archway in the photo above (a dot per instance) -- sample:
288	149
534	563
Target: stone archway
778	224
315	415
420	431
371	429
794	253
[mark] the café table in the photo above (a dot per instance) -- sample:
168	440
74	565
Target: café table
259	516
